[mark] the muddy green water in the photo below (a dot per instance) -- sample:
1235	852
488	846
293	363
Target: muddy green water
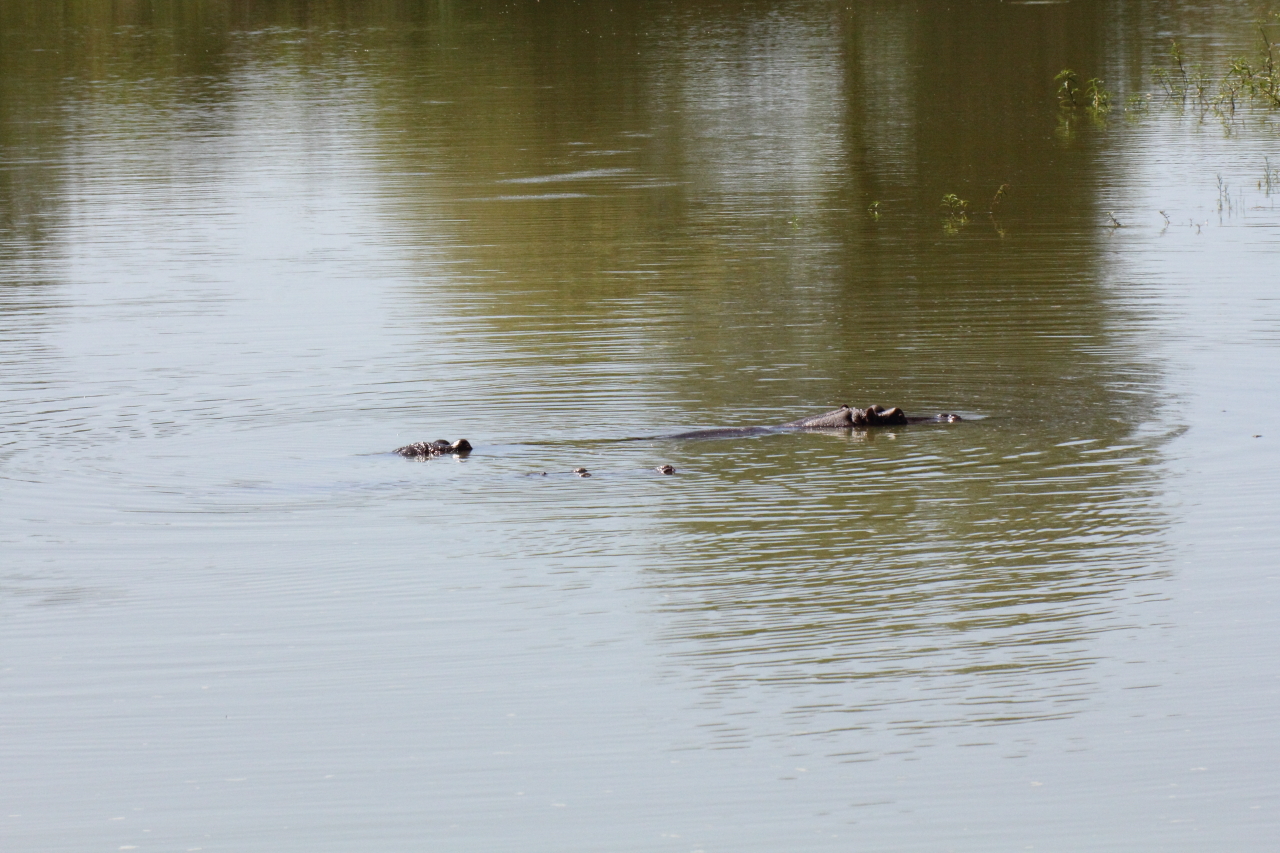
247	248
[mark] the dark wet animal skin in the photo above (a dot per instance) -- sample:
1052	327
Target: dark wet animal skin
429	449
842	418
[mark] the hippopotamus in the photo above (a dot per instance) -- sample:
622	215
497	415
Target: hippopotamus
844	417
440	447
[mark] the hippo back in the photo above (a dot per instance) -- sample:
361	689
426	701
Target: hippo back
841	418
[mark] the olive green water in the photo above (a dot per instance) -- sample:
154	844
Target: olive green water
246	248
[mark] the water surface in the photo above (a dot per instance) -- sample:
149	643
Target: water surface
247	249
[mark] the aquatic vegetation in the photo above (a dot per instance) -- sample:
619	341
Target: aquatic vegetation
1248	80
1174	85
1092	100
1096	98
955	206
1260	79
1270	178
1093	96
1068	86
1137	102
993	210
1224	196
955	212
997	198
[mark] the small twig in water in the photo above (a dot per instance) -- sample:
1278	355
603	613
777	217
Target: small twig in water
999	197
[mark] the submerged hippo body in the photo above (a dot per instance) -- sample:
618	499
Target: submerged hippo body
842	418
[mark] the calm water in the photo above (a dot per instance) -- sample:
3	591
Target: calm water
247	248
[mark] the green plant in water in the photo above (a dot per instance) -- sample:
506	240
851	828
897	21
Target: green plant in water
1248	80
1270	177
956	211
1137	102
1259	78
1068	88
1269	78
955	207
1096	98
1093	97
1175	51
1174	82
